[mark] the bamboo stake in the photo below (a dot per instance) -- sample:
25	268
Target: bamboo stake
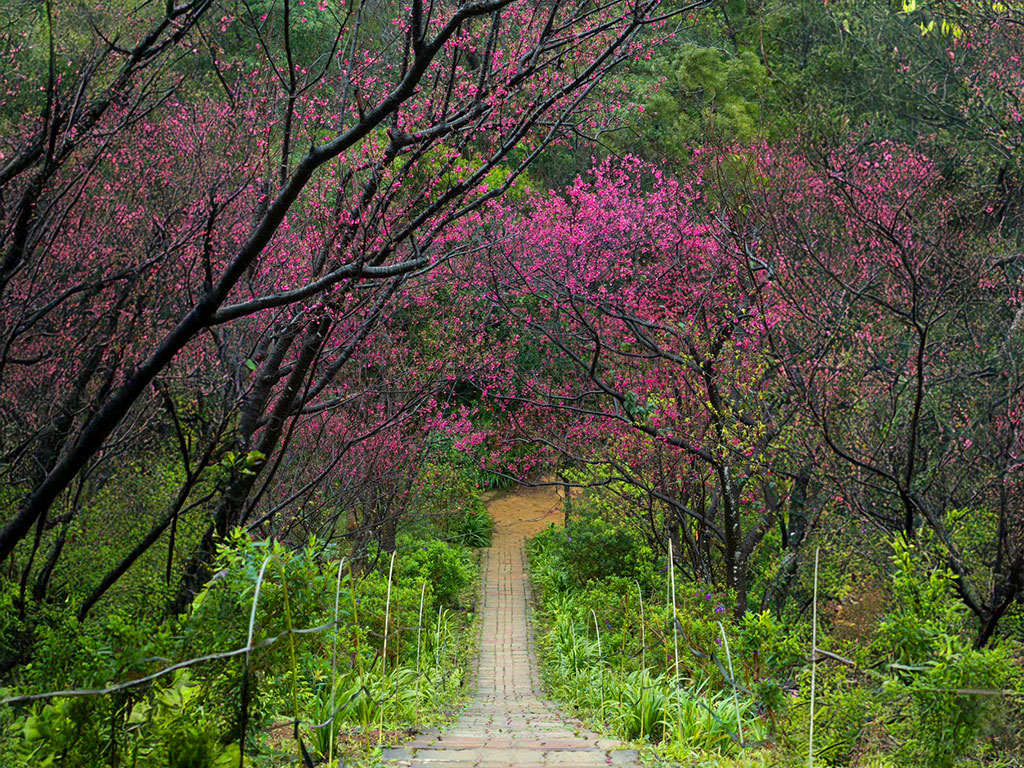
732	676
675	639
334	663
643	660
814	660
600	660
419	627
675	622
384	652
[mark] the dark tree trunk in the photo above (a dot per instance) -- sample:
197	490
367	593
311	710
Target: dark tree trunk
245	473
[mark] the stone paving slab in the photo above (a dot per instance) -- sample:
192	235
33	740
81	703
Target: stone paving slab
508	722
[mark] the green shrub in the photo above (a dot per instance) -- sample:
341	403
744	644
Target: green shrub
168	726
596	549
591	550
768	653
446	568
933	662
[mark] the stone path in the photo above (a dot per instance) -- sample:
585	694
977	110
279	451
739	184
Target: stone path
508	723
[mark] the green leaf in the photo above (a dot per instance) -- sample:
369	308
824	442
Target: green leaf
255	457
140	712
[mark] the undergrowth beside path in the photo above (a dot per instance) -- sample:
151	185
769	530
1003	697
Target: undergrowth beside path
288	656
643	655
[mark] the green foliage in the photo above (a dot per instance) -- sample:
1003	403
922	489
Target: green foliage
170	726
593	549
707	92
925	620
908	700
447	569
935	667
596	549
406	694
444	492
475	528
624	680
920	711
768	653
642	707
547	565
180	732
844	713
607	680
446	498
118	512
194	718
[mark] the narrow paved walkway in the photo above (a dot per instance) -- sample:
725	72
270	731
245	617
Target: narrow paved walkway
508	723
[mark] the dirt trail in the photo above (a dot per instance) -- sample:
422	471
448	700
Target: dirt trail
508	722
525	512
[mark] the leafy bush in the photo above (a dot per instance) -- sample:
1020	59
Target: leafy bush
169	726
600	544
592	550
446	568
769	655
933	663
845	713
597	549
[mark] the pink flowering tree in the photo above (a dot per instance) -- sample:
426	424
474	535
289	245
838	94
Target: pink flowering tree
195	202
653	351
900	341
